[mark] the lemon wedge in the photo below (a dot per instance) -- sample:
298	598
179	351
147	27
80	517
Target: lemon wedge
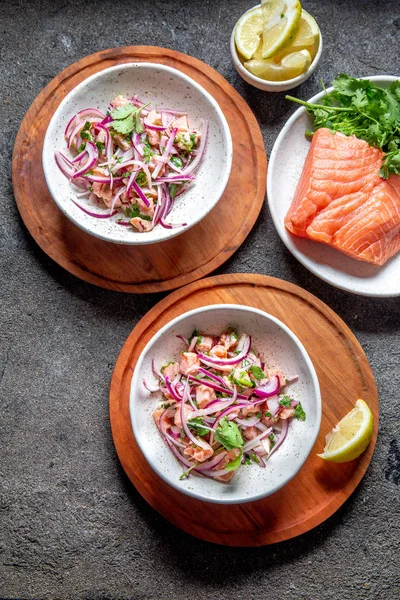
290	66
248	32
351	435
306	38
280	23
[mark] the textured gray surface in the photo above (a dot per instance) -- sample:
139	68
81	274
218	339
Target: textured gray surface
72	526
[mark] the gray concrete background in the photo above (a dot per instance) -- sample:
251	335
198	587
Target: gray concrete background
72	526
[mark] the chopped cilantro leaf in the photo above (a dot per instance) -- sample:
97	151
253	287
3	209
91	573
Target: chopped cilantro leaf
100	146
133	211
81	147
257	372
148	153
267	414
285	401
177	161
228	434
299	412
141	179
173	188
196	425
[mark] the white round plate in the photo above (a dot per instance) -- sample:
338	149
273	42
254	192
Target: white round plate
281	349
164	87
285	166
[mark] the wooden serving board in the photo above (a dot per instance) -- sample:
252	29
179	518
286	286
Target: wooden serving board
156	267
344	374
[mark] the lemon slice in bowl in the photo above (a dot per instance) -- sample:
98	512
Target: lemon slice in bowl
248	32
351	435
307	38
280	22
291	66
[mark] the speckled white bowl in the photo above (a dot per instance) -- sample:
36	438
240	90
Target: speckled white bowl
264	84
283	349
163	87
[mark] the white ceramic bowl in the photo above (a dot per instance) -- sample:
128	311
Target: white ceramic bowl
162	86
283	349
272	86
284	170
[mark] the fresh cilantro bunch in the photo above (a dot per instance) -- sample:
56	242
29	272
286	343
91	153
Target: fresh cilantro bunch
126	118
358	107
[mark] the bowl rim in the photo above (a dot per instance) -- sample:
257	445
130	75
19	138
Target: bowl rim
140	238
314	380
279	85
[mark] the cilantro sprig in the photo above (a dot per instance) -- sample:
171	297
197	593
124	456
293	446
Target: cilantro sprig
228	434
358	107
126	118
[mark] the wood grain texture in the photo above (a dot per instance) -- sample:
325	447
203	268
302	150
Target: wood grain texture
157	267
344	373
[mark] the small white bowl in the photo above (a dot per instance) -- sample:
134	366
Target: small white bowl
164	87
283	349
272	86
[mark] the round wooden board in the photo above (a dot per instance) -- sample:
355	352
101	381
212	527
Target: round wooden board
344	373
157	267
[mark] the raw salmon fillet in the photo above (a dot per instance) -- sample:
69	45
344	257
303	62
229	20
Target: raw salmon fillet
341	201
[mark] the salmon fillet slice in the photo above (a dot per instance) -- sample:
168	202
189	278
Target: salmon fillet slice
341	201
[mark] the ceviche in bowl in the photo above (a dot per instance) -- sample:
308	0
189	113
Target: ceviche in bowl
225	403
137	153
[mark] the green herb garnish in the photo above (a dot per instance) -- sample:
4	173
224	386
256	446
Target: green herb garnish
299	412
196	424
285	401
228	434
173	188
133	211
257	372
100	146
141	179
177	161
358	107
148	153
235	463
126	118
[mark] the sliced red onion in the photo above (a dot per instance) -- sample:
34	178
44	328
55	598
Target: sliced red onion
193	343
254	442
210	464
248	422
171	389
151	388
115	198
79	157
64	164
125	223
218	388
161	200
167	152
96	215
93	156
269	389
184	340
197	441
228	361
157	373
149	125
273	405
182	459
174	178
212	376
140	164
140	193
200	150
281	439
86	112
